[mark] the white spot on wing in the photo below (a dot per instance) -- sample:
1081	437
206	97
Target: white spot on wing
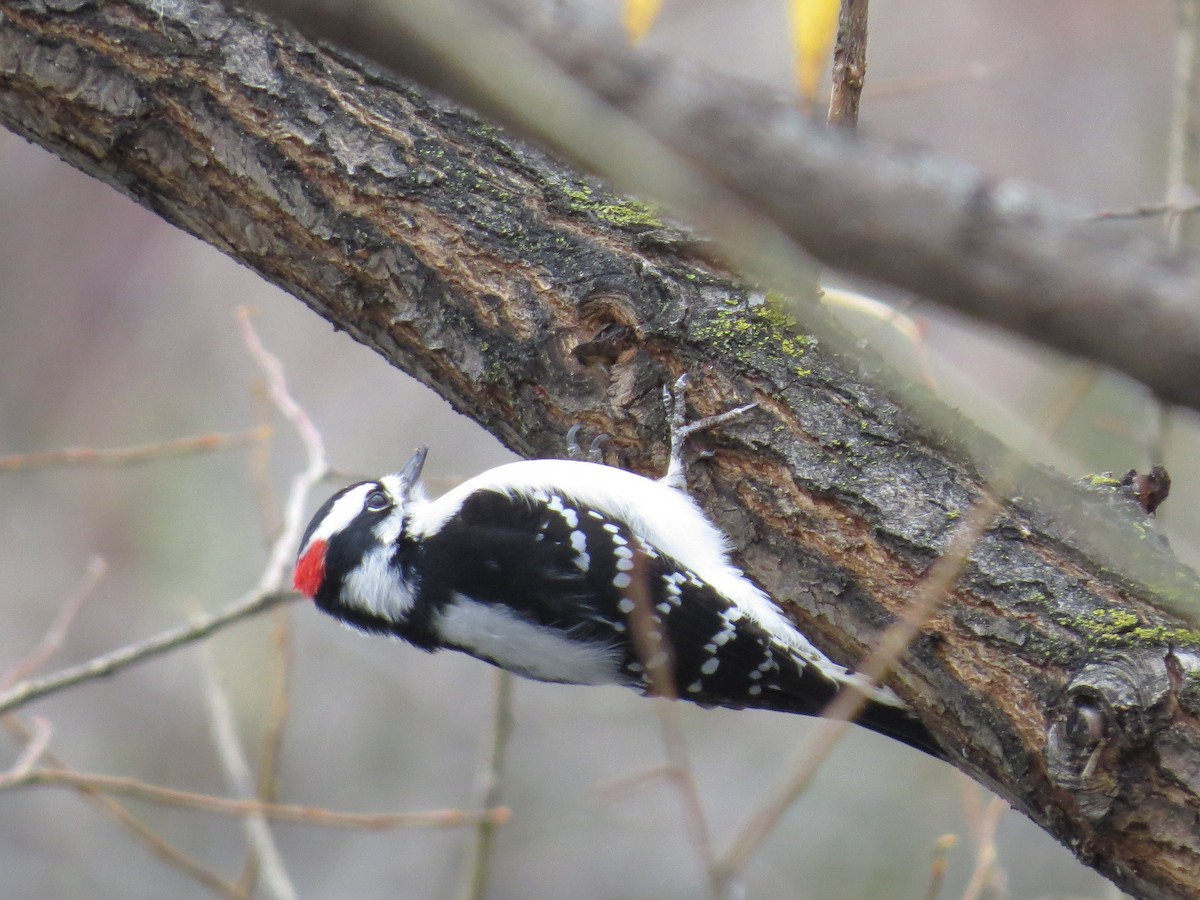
579	544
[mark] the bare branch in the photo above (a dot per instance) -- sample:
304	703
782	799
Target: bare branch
35	749
281	812
937	868
241	780
250	605
1183	142
491	782
57	632
985	870
996	249
272	587
126	456
849	64
933	590
1147	211
500	278
164	851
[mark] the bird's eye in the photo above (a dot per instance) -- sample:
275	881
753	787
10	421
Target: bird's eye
377	501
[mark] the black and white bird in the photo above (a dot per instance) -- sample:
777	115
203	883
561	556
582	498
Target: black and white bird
573	572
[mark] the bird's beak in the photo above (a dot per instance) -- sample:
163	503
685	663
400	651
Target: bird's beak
411	473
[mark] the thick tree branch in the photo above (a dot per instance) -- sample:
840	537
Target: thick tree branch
532	299
996	249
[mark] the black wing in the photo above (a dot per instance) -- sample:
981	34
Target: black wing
572	568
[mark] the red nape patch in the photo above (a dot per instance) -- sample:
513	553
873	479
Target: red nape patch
310	570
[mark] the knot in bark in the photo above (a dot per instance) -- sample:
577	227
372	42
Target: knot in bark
1114	705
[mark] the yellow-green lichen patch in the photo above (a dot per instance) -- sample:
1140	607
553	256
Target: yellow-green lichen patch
1103	479
616	211
1110	627
1106	626
1162	636
763	328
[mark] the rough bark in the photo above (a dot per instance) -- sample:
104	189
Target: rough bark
996	249
532	299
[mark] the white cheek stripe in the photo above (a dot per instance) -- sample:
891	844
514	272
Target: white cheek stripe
534	651
342	513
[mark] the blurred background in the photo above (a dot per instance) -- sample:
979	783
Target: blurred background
118	330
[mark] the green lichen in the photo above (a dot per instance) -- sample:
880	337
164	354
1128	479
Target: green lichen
765	327
953	514
1161	636
1103	479
1110	627
616	211
1106	623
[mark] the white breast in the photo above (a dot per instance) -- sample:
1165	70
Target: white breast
496	634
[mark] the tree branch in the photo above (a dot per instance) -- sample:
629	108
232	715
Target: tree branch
995	249
532	298
849	64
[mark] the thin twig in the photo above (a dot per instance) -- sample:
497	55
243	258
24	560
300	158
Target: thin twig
837	717
849	64
491	783
35	748
985	850
260	464
277	714
272	743
618	788
1147	211
683	776
937	869
981	822
241	780
125	456
654	651
106	664
272	584
282	812
57	632
976	71
930	593
279	562
1183	181
1183	142
267	788
170	855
